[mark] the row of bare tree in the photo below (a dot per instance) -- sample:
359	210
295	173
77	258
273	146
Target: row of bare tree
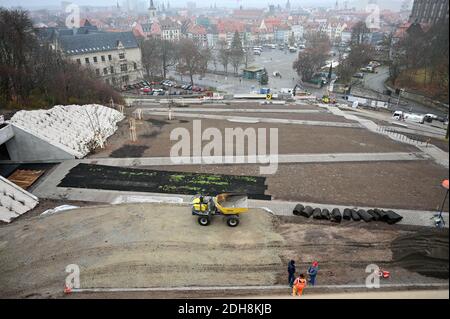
33	75
190	57
426	53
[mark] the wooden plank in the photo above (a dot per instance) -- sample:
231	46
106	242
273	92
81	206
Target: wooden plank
25	178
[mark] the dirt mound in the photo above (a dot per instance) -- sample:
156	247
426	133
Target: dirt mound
137	245
425	252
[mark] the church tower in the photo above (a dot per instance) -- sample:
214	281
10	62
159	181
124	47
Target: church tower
152	11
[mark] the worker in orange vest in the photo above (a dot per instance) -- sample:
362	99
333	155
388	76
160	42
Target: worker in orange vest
299	285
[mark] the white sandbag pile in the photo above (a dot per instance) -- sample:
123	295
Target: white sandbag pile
77	129
14	201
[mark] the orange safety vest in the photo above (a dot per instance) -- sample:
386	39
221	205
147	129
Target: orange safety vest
300	283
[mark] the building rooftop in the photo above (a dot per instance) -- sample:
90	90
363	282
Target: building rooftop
96	42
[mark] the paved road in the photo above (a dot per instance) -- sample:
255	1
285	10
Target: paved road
375	82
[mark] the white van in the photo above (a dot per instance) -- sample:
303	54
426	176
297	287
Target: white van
410	117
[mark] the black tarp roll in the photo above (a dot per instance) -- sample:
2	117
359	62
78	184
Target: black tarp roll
326	214
365	215
307	212
317	213
347	214
298	209
336	215
355	215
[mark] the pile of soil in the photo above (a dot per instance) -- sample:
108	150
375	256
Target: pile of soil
425	252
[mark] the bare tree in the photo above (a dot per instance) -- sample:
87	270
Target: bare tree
190	59
224	55
360	33
151	57
313	57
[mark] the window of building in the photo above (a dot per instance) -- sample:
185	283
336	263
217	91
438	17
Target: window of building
125	79
122	56
103	58
79	61
107	81
135	65
87	60
123	68
111	69
97	71
109	57
114	81
105	71
95	59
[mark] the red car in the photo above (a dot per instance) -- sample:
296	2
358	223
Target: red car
146	90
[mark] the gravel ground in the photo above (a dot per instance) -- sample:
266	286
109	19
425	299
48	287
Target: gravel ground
154	245
407	185
154	138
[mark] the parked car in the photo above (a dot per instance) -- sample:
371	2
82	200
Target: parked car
359	75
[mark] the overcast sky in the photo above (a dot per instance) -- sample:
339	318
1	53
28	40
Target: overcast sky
390	4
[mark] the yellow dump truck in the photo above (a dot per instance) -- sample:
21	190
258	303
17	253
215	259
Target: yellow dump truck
228	205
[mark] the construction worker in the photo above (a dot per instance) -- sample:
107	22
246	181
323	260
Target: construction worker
312	273
299	285
291	273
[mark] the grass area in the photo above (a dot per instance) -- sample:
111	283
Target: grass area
420	82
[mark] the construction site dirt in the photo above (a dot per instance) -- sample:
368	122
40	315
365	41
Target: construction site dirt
385	184
161	245
154	138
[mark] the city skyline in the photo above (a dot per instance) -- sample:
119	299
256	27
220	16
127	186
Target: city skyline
384	4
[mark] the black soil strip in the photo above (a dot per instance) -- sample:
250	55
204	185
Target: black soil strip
129	151
153	181
425	252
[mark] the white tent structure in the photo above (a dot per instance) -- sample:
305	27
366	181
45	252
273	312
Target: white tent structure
75	129
14	201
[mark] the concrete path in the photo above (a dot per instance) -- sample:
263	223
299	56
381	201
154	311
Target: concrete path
258	119
311	289
263	160
230	110
438	155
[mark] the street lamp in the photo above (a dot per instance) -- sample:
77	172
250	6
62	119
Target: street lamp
399	95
